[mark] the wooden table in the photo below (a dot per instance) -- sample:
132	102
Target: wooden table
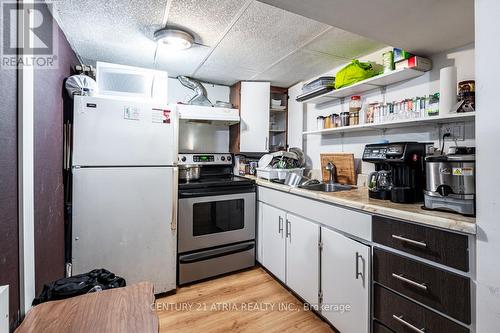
128	309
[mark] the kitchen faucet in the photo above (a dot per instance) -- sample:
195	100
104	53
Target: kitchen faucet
330	167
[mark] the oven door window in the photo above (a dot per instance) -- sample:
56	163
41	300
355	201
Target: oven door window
218	216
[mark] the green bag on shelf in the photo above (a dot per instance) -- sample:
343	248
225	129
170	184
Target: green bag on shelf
354	72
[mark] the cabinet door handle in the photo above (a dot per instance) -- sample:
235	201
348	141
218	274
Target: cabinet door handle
358	273
410	241
400	277
407	324
265	147
288	229
280	225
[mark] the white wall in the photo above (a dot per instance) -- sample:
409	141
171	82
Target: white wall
488	160
426	84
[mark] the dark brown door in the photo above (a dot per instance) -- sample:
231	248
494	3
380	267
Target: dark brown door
50	102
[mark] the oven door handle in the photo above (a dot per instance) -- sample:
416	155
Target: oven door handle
192	258
212	193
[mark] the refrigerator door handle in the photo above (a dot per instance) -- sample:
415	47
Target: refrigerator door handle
175	180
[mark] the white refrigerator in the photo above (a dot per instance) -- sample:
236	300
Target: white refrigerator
124	189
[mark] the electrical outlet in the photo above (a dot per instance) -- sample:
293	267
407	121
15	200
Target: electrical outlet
456	131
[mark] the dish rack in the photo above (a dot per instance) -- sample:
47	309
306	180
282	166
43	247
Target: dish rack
269	173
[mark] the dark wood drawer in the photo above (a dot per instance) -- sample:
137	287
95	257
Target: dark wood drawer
379	328
443	247
444	291
404	316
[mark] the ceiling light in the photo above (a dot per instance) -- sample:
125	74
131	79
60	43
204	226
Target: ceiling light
174	39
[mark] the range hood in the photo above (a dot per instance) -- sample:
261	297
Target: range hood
207	114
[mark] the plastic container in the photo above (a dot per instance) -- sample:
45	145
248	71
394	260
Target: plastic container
344	119
335	120
353	118
354	108
328	122
388	61
269	173
433	105
320	122
321	82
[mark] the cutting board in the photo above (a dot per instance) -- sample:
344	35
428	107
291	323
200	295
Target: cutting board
344	162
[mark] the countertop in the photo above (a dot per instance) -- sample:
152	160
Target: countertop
358	199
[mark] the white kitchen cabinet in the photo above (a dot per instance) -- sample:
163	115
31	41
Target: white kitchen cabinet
253	101
273	240
295	117
302	257
345	281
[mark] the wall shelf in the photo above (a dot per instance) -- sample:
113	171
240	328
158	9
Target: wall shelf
375	82
449	118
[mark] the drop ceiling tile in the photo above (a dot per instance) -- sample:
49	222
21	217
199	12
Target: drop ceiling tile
224	74
300	66
206	20
113	30
342	43
181	62
263	35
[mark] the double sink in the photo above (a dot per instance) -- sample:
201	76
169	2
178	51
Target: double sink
326	187
320	187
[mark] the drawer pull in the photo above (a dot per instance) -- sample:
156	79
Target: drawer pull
407	324
410	241
406	280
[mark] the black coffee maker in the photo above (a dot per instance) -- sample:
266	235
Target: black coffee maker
405	162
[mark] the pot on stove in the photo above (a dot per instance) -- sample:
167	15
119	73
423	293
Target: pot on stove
189	172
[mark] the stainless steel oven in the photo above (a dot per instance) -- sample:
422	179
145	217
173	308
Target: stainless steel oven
216	220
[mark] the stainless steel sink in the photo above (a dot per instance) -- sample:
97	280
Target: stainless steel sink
326	187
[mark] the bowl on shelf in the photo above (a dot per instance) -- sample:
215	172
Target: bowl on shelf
275	102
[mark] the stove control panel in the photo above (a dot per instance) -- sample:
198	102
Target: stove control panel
206	159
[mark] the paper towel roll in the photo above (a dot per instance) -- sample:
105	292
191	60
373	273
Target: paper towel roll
447	89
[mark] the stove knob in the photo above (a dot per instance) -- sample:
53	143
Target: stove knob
222	158
229	158
183	158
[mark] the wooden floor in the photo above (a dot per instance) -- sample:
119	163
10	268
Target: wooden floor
250	301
